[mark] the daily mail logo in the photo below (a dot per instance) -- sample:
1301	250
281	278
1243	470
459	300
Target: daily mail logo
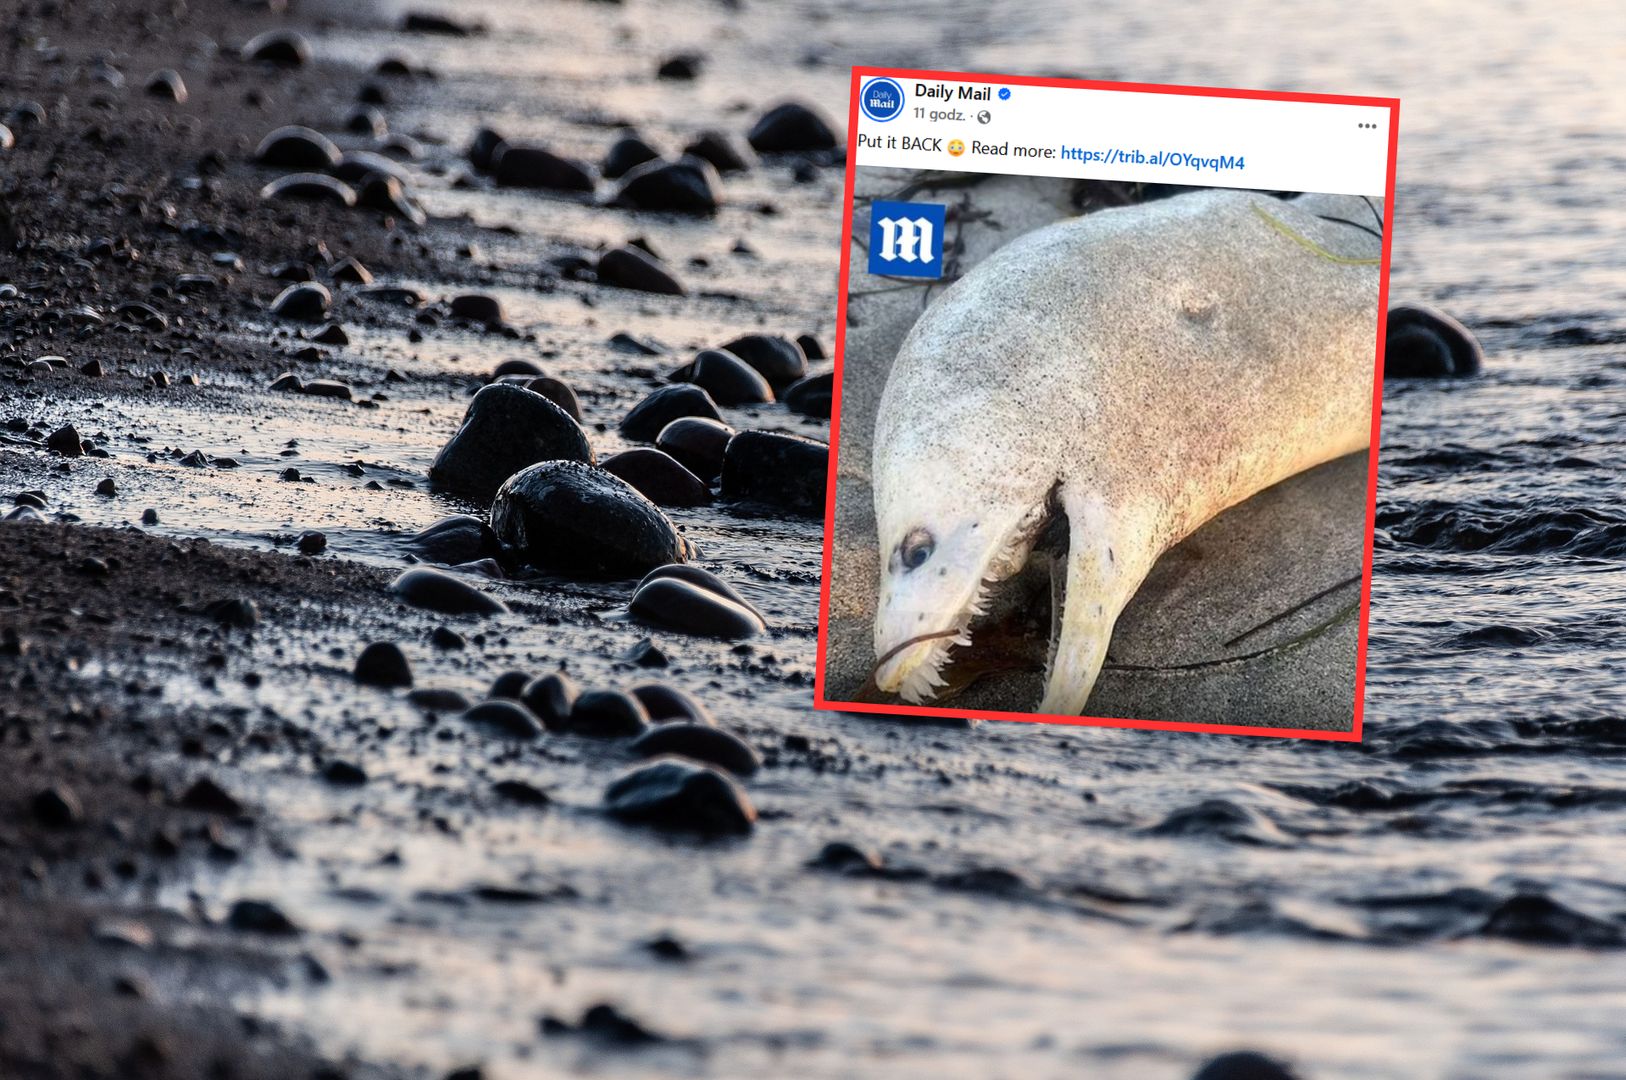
906	239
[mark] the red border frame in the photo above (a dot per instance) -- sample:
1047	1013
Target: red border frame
819	699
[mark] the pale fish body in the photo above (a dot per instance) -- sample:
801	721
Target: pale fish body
1138	370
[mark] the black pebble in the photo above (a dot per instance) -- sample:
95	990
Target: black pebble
260	917
65	441
782	470
669	403
1244	1065
344	773
507	718
682	605
1422	343
778	359
698	443
812	396
57	807
686	186
728	379
286	48
567	517
521	792
312	543
699	742
296	147
658	476
632	268
680	66
106	487
307	301
810	346
551	697
383	664
675	794
510	685
535	167
791	128
666	703
444	637
432	590
477	307
607	714
484	149
166	83
626	154
715	147
506	428
459	538
559	393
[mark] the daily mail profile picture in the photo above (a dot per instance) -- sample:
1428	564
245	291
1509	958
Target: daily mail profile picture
906	239
881	99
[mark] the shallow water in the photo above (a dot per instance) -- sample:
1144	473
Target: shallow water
1445	900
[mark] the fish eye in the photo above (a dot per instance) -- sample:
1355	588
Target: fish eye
916	548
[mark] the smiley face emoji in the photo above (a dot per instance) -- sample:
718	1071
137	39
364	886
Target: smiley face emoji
956	148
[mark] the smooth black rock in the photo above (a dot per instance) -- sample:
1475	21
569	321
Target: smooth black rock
1422	343
237	611
476	307
669	403
777	359
728	379
206	795
704	579
367	120
432	590
459	538
518	791
680	66
559	393
566	517
383	664
846	858
438	699
715	147
444	637
812	396
682	605
698	443
666	703
344	773
507	718
510	685
686	186
626	154
387	194
607	714
106	488
166	83
297	147
429	22
307	301
65	441
675	794
505	429
329	388
260	917
287	48
310	187
632	268
311	543
483	150
699	742
551	697
517	366
535	167
1244	1065
810	346
57	807
333	333
782	470
790	128
658	477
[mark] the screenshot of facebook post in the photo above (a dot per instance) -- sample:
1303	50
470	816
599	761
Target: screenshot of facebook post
1107	404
